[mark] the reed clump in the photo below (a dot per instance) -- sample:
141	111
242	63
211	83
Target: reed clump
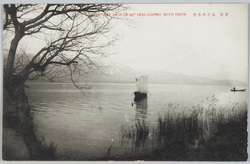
208	132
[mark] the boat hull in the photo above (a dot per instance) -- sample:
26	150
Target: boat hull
242	90
139	96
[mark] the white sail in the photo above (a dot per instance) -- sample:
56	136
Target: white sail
142	84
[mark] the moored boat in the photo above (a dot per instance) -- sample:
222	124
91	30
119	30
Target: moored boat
142	86
139	96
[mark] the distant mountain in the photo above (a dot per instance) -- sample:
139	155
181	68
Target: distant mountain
115	73
177	78
118	73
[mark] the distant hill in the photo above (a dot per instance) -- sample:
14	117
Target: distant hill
117	73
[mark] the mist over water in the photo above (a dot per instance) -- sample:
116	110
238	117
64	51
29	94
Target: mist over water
87	124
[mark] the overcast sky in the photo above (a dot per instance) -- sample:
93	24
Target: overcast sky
209	46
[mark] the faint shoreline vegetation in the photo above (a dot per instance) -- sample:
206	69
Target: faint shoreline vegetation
199	129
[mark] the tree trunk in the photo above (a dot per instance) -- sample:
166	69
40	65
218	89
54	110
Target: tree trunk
14	85
11	56
37	149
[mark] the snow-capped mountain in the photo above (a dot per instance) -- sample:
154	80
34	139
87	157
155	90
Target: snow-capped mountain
118	73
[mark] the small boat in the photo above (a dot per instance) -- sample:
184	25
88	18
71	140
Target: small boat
142	87
238	90
139	96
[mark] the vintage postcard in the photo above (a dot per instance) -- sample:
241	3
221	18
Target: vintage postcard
125	82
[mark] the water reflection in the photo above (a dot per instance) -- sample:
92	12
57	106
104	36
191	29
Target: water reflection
141	124
136	135
141	109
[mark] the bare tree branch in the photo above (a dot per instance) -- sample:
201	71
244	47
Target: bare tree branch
73	36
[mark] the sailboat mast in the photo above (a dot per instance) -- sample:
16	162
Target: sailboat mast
142	84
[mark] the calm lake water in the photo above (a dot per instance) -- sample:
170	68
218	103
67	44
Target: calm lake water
87	124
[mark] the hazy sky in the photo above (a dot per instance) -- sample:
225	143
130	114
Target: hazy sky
210	46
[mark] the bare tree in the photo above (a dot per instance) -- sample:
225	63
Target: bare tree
71	38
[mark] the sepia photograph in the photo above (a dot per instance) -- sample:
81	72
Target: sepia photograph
125	82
